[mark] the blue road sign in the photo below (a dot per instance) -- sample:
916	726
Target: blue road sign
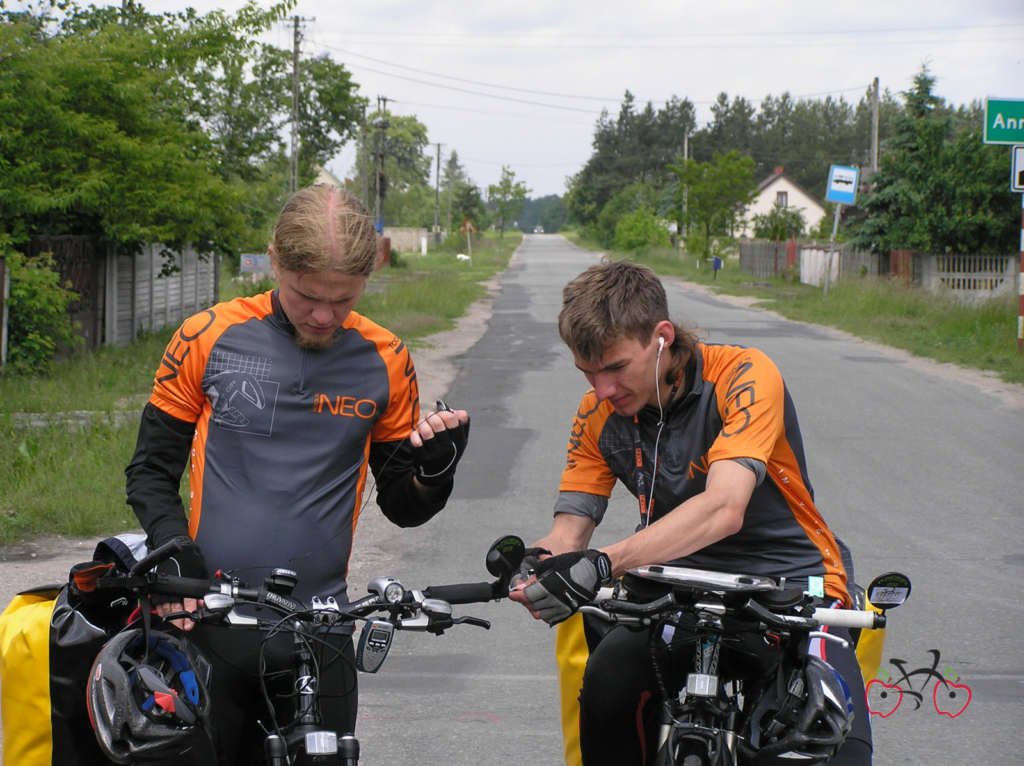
842	184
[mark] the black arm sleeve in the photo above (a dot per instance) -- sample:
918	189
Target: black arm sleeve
153	476
402	501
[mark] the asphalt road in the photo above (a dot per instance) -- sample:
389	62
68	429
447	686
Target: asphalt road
915	465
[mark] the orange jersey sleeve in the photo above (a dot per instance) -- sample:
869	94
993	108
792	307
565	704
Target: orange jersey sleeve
585	468
751	403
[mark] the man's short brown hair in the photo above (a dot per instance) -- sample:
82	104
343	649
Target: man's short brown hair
324	228
612	301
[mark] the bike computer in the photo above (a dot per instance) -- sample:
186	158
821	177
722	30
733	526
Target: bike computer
374	644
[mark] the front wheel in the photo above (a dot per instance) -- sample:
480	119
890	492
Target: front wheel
683	753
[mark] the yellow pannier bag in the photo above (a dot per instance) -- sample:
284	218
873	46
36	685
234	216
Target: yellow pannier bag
24	678
49	637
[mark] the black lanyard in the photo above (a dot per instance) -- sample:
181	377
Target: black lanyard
641	484
646	501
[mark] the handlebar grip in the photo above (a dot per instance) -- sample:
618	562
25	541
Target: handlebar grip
850	618
171	585
463	593
159	554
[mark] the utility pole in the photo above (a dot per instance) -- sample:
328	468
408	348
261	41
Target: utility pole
364	171
380	124
451	188
874	128
682	220
293	160
437	196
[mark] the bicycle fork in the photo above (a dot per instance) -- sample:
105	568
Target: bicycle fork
318	745
702	720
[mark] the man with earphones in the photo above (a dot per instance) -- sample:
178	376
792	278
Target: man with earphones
705	437
282	405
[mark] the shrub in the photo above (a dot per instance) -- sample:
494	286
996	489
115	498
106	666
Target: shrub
639	229
38	319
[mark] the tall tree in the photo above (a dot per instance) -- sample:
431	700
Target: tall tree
507	198
635	147
453	175
146	127
469	204
939	188
717	192
397	145
464	198
99	136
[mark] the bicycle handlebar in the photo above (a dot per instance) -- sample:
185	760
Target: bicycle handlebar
630	612
429	609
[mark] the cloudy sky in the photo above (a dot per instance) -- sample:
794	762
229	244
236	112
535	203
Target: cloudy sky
522	83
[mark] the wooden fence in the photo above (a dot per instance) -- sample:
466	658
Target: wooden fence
121	294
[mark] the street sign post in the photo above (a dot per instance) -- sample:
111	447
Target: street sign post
1004	121
841	189
1017	171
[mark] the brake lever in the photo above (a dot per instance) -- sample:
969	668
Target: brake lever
478	621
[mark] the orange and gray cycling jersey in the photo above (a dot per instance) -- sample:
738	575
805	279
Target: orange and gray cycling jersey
279	440
735	406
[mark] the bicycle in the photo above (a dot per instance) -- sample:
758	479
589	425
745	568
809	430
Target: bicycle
388	607
719	720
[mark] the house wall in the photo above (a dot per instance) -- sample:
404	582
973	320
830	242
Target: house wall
812	210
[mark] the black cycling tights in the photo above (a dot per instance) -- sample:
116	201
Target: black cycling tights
620	705
238	703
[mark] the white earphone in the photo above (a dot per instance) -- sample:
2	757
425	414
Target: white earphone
661	345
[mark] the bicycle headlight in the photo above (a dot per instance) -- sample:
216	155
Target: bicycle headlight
388	588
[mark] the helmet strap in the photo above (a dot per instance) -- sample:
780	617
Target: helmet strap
147	624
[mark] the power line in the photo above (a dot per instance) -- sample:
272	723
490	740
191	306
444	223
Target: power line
471	82
698	102
485	112
674	39
480	93
712	40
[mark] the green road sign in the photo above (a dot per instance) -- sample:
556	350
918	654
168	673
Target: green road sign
1004	121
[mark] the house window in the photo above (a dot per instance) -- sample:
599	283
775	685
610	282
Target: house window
781	199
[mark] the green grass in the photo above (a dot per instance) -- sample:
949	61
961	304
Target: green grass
68	479
981	336
65	480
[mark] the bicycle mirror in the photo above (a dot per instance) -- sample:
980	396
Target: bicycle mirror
505	556
889	590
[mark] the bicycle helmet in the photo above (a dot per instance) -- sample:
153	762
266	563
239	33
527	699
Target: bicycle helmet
148	706
803	722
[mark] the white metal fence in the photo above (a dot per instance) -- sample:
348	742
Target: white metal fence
968	278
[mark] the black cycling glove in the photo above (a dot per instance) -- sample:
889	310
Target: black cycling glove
436	460
567	581
188	562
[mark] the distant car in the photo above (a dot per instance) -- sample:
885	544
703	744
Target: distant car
538	229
